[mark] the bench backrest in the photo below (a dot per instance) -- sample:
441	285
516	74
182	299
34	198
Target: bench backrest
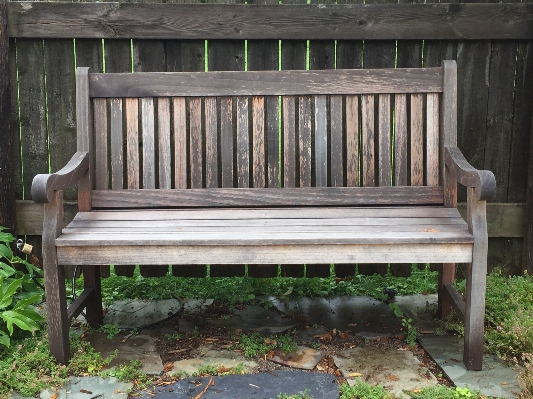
383	129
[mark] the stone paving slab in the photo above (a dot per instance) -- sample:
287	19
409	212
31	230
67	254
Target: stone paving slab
136	347
254	318
138	314
207	356
89	388
249	386
495	379
396	370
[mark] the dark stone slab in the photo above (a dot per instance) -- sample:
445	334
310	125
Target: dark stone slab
248	386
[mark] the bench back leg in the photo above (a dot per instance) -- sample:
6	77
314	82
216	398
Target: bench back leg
54	282
93	307
446	276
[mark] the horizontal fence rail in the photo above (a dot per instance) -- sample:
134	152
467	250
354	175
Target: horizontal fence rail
229	21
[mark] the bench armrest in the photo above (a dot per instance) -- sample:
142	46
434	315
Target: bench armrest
44	185
482	181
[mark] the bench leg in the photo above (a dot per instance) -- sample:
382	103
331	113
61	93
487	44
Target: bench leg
446	276
54	283
476	280
93	307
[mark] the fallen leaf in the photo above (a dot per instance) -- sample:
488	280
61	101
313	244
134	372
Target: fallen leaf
223	369
173	352
168	367
269	341
85	391
54	396
431	230
324	337
351	375
392	377
504	383
320	368
352	325
338	373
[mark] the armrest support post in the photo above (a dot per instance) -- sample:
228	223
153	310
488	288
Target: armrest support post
44	185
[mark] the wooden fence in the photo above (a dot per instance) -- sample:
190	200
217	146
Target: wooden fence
492	43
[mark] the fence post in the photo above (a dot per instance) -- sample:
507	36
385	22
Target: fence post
527	258
7	192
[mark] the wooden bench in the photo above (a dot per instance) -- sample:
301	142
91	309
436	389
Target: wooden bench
266	168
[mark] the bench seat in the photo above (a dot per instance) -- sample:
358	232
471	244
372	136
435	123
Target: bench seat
258	235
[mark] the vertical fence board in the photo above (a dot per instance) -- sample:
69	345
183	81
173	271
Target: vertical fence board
14	121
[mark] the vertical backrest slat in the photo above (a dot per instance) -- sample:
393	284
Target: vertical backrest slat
417	140
384	138
304	140
211	143
336	147
84	133
226	140
321	142
163	137
195	125
132	142
352	141
258	141
100	127
179	111
117	157
243	143
367	116
148	135
400	140
432	140
289	141
448	120
272	140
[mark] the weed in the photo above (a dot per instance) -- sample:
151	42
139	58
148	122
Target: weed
257	345
526	377
129	372
85	360
410	330
195	332
444	392
316	345
207	369
304	395
111	330
173	336
362	390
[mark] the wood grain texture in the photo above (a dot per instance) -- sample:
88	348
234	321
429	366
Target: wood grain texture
331	21
226	141
432	140
336	148
117	154
432	253
100	130
417	140
211	143
148	142
195	137
163	137
267	83
400	140
352	141
258	142
267	197
243	143
320	141
132	143
289	141
368	132
180	142
304	140
384	139
84	132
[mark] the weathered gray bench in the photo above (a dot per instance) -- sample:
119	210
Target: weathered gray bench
278	167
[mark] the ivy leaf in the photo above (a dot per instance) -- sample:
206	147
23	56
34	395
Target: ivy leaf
6	252
6	237
21	320
4	339
24	303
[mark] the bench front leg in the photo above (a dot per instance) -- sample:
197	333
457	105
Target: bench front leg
54	281
476	281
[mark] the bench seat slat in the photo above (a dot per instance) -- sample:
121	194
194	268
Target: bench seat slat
310	196
266	213
261	254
